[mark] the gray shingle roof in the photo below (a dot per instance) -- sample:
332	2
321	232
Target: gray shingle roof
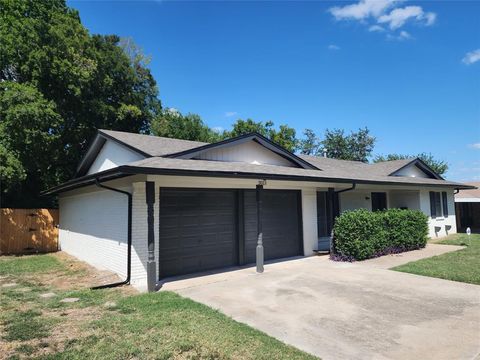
157	148
333	173
470	193
152	145
346	167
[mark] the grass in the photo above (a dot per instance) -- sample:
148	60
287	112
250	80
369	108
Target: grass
29	264
161	325
461	265
26	325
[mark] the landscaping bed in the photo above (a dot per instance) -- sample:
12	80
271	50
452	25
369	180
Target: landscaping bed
48	312
461	265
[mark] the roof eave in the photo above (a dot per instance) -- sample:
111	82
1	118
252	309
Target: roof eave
126	170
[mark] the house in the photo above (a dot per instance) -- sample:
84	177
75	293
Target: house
467	208
148	207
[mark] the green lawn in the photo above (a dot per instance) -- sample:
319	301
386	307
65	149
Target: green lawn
114	323
462	265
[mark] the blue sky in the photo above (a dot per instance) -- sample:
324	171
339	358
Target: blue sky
408	70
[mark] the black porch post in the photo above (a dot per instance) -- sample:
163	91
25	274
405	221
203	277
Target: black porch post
151	265
260	256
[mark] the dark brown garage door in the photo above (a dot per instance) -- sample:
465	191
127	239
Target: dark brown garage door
197	230
281	224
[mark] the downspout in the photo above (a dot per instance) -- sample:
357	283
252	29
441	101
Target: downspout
456	191
129	238
259	249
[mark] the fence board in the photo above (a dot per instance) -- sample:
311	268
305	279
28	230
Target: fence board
28	231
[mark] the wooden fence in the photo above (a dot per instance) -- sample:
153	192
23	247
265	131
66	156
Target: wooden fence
24	231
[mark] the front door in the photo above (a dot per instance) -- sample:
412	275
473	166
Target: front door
325	217
379	201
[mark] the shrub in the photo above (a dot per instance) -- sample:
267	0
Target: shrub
407	229
362	234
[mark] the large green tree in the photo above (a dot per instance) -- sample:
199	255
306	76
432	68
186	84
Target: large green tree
310	144
58	85
171	123
354	146
439	166
284	136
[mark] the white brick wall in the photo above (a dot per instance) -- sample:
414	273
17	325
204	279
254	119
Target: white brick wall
93	227
139	235
93	224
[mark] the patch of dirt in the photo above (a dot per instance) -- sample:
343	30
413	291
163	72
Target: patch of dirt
73	322
79	275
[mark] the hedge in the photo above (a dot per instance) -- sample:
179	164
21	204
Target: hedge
363	234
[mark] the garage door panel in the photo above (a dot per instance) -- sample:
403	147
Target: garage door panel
197	230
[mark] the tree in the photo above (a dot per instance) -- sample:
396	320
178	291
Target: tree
310	145
171	123
29	139
285	136
357	146
439	166
70	84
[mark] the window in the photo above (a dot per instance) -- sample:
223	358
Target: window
438	204
445	203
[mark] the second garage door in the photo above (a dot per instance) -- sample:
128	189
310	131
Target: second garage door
280	222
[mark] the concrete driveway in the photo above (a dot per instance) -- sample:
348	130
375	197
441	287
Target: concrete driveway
349	311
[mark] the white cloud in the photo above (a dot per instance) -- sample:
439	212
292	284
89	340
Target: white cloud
380	15
361	10
403	35
430	18
475	146
333	47
471	57
398	17
231	113
376	28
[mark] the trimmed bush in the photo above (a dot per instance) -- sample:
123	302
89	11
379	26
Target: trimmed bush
363	234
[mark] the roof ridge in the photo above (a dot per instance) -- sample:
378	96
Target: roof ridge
151	135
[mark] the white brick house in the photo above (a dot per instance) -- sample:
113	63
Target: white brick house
203	202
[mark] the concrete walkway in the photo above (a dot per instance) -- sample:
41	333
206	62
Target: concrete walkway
349	310
389	261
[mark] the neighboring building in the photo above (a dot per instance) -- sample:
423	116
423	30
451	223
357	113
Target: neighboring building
193	206
467	208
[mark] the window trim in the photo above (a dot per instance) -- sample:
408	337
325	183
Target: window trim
438	204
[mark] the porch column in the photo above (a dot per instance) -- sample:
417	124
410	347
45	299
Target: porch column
260	255
151	264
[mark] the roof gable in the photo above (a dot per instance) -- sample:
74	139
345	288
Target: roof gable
136	144
416	168
251	148
113	154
